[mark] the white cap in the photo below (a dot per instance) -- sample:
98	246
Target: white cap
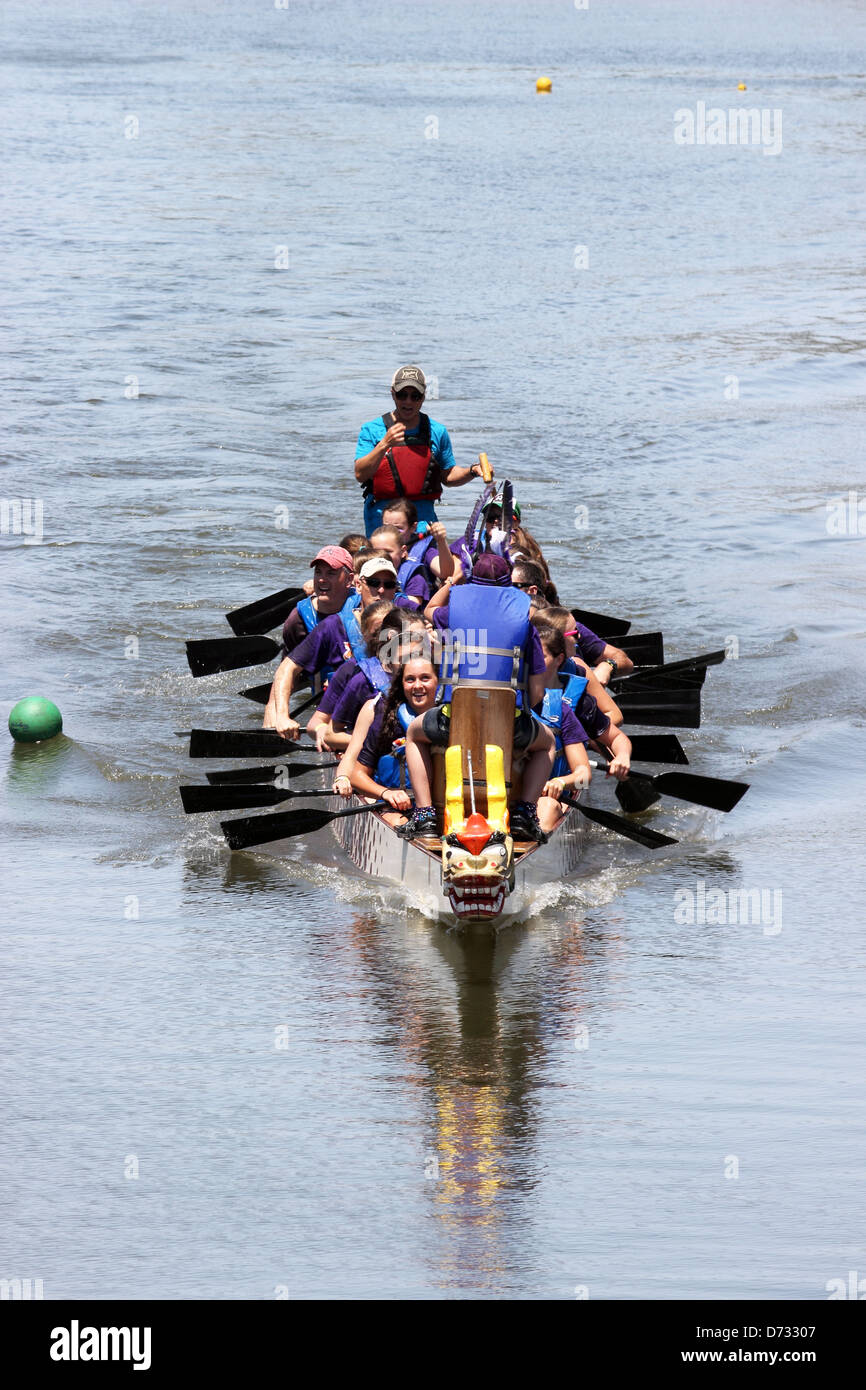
376	566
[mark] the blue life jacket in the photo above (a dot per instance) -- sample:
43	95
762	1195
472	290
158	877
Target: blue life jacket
312	618
574	688
501	615
414	564
375	673
551	715
390	765
349	619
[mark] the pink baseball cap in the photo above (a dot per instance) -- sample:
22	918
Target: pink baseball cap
336	557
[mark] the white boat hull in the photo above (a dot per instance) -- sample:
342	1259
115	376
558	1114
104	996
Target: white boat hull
375	849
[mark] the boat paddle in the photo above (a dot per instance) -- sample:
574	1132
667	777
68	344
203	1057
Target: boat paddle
641	790
657	748
239	798
658	708
209	655
265	614
239	743
690	665
270	772
600	622
260	694
644	648
262	830
650	839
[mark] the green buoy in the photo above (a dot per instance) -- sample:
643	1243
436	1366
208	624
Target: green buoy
34	719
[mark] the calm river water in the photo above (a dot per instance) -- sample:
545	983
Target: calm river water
225	225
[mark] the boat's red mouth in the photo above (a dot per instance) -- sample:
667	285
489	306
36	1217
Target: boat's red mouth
477	899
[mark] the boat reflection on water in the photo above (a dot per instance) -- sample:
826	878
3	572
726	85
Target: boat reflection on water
477	1018
470	1041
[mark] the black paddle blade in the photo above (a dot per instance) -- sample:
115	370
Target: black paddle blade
651	839
268	773
229	653
680	680
265	614
635	796
675	709
644	648
690	666
717	793
599	622
657	748
237	743
260	694
196	799
263	830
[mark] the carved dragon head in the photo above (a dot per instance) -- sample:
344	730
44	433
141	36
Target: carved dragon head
477	864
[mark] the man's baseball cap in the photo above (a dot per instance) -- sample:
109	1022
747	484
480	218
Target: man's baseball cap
376	566
336	557
409	376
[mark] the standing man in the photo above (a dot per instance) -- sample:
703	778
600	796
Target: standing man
406	454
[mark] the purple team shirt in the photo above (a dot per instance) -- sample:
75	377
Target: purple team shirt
418	588
326	645
590	646
590	716
367	755
570	728
355	694
336	685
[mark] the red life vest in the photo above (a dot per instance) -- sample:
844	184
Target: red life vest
408	470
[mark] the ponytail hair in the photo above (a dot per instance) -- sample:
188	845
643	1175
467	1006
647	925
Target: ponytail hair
379	608
549	636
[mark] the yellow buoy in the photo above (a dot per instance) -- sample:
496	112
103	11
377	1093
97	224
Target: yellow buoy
741	87
544	84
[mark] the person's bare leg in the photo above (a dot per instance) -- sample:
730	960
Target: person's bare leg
549	813
539	765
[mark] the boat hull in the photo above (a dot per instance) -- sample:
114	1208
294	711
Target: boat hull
374	848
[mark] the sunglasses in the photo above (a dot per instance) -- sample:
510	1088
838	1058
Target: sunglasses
381	583
408	396
515	585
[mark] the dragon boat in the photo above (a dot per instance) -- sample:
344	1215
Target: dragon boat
475	871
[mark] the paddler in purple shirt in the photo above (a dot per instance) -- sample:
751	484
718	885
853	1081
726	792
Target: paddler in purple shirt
333	589
414	576
582	644
331	642
368	680
326	619
426	542
353	683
